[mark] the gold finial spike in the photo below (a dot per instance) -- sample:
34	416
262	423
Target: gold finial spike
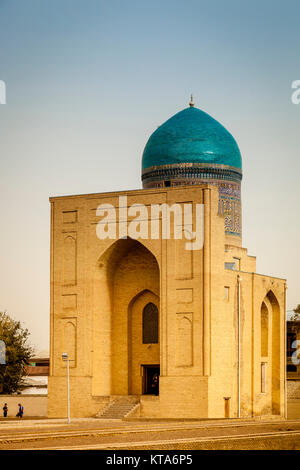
191	103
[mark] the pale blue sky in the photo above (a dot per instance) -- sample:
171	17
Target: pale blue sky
87	83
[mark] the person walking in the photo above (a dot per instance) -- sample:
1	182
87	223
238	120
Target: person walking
21	411
5	410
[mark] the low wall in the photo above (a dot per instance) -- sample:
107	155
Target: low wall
293	398
293	408
34	405
149	406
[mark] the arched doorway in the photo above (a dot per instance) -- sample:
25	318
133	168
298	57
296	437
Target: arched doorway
143	341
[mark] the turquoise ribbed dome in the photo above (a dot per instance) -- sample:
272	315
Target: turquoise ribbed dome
191	136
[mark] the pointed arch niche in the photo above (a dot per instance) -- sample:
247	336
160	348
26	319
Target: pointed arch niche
126	275
270	351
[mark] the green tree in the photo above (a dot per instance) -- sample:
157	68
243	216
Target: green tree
296	315
18	354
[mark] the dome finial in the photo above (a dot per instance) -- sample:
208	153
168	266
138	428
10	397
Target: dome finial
191	103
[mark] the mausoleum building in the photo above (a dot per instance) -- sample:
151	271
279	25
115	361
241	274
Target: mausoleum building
153	296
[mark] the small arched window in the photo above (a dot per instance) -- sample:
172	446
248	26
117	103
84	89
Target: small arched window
150	324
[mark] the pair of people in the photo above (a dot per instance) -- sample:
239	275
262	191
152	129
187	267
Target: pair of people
19	414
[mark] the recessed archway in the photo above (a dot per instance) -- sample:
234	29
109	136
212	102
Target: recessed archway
124	271
270	350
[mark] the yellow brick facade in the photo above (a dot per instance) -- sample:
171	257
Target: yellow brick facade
221	331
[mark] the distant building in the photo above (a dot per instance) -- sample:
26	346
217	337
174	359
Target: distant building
37	375
293	363
293	368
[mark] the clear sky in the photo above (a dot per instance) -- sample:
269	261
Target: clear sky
88	81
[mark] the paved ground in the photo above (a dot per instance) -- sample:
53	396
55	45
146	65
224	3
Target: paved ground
158	435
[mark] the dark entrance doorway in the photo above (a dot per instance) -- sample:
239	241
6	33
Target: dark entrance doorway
151	379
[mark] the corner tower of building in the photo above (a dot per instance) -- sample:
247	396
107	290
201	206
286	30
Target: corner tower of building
193	148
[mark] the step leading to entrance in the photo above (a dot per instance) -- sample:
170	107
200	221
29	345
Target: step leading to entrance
118	408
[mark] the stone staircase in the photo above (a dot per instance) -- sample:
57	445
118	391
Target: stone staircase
119	407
